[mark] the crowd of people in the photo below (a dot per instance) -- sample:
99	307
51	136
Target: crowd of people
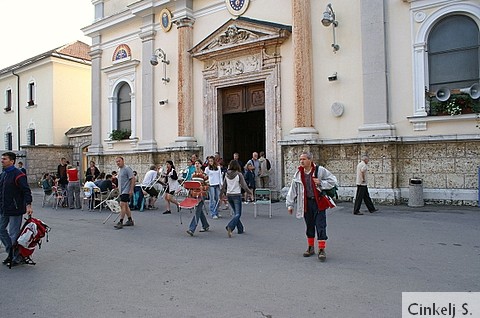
218	181
225	186
66	182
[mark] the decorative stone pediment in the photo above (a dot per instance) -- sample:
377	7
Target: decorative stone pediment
239	35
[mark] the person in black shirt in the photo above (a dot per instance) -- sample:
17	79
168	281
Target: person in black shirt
106	185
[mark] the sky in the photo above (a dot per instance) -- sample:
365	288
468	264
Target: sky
31	27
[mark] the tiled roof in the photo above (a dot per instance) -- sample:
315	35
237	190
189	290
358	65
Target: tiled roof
84	130
76	51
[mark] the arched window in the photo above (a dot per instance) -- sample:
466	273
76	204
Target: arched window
453	53
124	105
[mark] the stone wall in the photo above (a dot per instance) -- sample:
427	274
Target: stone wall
449	170
141	162
42	158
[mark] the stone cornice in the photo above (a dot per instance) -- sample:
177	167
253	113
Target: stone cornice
240	35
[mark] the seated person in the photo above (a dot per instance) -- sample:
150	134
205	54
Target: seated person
114	179
106	185
47	184
148	186
90	192
99	179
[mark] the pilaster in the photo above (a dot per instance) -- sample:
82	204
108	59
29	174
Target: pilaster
185	83
96	146
147	35
302	77
375	98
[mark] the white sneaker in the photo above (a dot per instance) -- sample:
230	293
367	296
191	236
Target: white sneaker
215	217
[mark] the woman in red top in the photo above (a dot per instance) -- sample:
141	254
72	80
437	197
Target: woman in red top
73	188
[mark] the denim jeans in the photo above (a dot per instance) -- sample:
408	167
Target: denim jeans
9	237
315	219
199	215
73	191
214	194
236	204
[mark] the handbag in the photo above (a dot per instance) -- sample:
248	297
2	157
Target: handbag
325	202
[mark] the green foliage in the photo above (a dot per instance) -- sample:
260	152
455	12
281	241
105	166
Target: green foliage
118	134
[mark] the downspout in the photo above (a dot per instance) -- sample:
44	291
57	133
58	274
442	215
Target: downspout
18	109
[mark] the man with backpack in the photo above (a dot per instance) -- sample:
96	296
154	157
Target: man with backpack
15	200
305	194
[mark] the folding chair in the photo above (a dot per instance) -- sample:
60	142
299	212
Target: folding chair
103	197
194	196
262	196
47	198
60	197
114	207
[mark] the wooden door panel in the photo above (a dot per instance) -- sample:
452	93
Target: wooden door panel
255	97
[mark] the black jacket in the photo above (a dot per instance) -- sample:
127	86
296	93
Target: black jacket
15	193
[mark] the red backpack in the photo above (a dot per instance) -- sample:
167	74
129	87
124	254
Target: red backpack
31	235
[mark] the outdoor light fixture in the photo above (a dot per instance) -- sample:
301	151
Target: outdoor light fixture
329	18
163	102
159	53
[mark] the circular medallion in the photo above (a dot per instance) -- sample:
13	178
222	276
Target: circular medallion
337	109
166	20
237	7
419	16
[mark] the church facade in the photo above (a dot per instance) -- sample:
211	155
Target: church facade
394	79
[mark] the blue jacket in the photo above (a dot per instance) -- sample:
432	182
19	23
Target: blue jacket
15	193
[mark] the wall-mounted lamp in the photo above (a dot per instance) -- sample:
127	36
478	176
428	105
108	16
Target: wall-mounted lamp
333	77
163	102
329	18
159	53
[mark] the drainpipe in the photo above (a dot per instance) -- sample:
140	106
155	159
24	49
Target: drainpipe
18	109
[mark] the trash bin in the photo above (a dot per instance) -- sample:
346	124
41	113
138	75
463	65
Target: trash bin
415	198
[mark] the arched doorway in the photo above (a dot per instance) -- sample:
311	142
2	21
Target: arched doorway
243	109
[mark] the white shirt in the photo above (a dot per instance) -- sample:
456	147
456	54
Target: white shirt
214	176
362	168
150	176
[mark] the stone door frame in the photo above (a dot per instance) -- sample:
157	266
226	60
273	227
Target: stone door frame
244	51
213	127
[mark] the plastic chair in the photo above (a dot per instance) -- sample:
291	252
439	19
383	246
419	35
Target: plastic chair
262	196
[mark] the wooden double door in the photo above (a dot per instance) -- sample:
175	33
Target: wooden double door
243	109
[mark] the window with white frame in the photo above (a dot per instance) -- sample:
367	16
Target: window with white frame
8	141
8	100
453	53
124	108
31	93
31	137
453	66
445	58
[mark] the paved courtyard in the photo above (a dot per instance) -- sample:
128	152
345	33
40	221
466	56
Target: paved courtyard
154	269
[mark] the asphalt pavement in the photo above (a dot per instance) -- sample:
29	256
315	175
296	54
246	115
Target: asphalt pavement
155	269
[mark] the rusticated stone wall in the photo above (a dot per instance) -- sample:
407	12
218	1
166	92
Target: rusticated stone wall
449	169
44	158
